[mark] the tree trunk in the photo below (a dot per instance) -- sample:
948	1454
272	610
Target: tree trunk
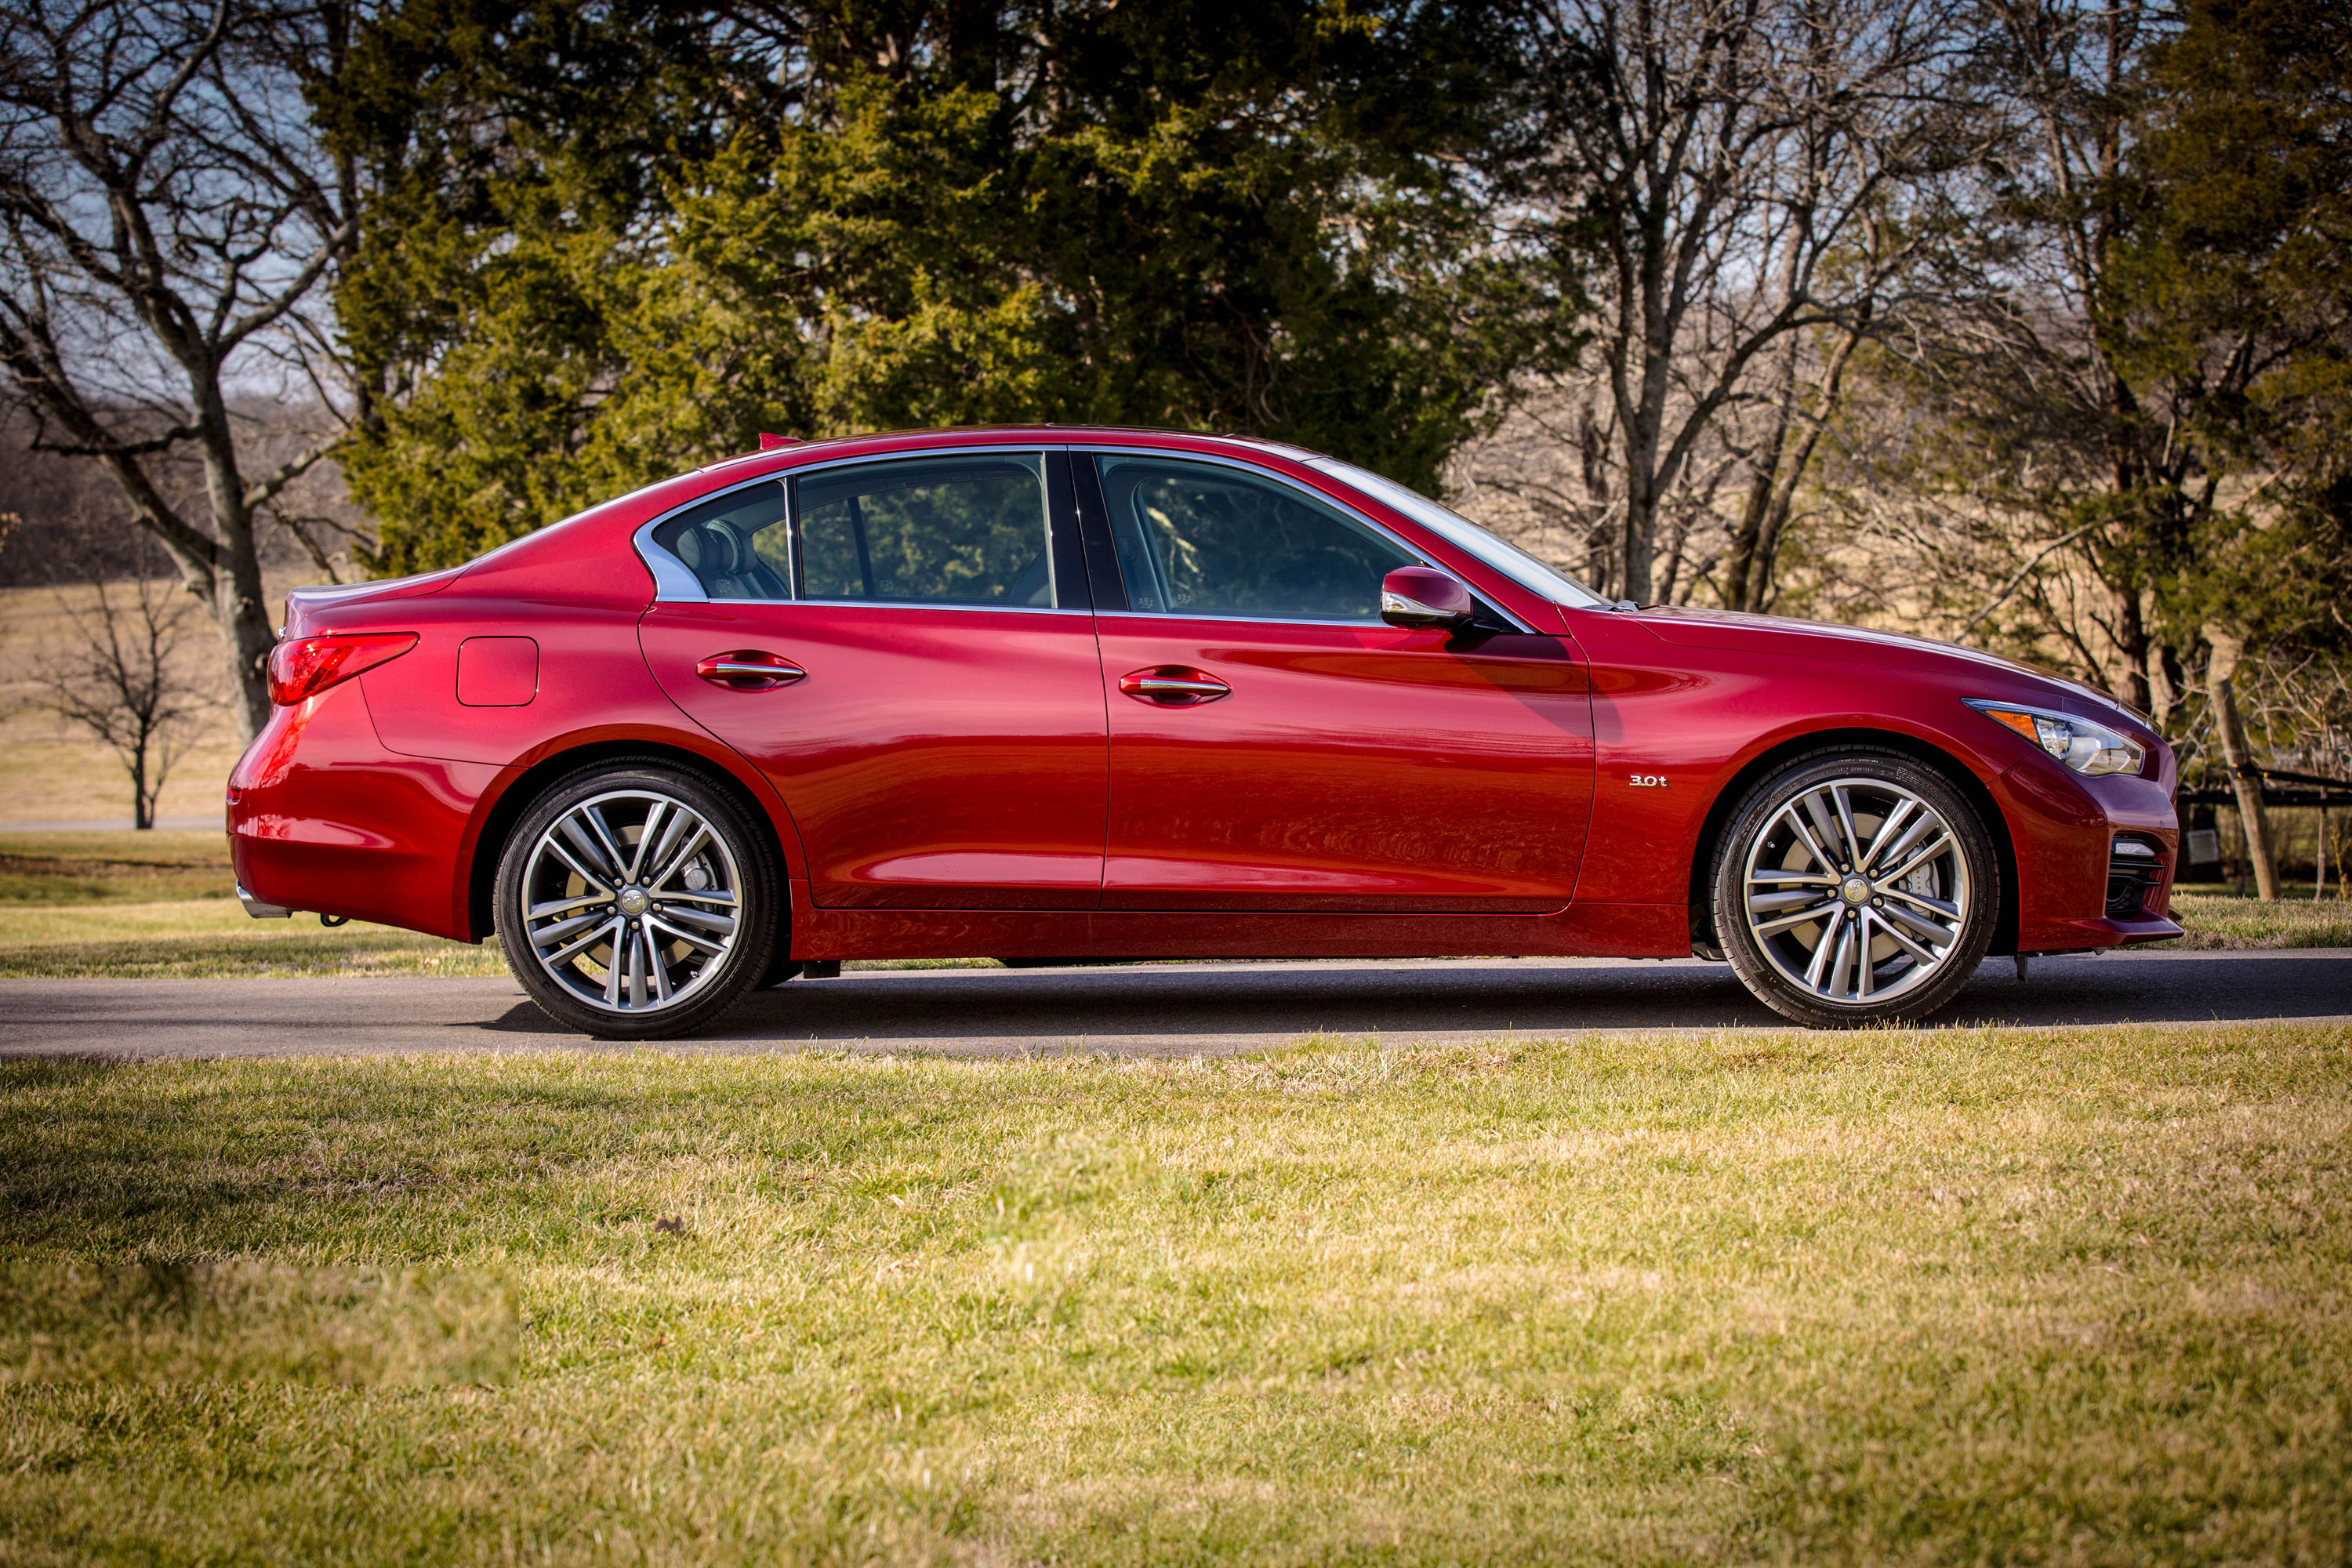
238	610
1640	544
2244	777
142	802
247	638
2132	638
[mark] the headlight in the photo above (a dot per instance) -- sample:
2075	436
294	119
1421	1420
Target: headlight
2082	746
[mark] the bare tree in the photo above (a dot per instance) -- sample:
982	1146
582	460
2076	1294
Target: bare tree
1762	178
169	220
2107	404
127	681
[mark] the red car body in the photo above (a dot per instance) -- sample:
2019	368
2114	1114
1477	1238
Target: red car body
955	781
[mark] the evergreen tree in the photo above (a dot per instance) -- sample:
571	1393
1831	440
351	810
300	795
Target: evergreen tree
614	243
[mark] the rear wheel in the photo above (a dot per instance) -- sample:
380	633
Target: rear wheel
635	903
1855	887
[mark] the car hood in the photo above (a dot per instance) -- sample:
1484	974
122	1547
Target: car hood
1826	639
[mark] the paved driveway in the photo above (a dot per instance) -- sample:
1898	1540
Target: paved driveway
1158	1009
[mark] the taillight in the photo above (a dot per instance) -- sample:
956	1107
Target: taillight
304	666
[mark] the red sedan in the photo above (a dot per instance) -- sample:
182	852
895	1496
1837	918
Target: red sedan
1054	692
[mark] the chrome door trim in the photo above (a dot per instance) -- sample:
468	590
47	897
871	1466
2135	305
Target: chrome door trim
1374	622
1374	523
907	605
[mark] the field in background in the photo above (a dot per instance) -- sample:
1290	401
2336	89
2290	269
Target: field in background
50	774
2070	1296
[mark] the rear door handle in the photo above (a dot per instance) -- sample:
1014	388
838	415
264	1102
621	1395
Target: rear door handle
1173	686
750	669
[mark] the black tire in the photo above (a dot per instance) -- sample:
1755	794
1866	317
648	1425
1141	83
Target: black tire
684	955
1902	937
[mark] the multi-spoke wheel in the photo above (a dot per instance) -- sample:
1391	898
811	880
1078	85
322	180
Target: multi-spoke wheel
1854	886
635	902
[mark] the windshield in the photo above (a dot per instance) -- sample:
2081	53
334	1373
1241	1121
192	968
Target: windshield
1454	528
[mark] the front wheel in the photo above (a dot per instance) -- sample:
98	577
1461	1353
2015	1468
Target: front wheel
1855	887
635	903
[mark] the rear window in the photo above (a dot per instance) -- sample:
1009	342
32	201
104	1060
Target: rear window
931	531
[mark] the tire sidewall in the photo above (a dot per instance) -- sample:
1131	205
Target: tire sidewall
759	919
1757	809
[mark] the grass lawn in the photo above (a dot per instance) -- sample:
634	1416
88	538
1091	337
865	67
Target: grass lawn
2218	918
206	938
2001	1296
104	868
162	905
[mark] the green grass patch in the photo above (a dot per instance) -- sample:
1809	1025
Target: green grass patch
1994	1296
2220	920
209	938
135	867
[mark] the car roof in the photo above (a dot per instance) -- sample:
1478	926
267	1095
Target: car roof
799	451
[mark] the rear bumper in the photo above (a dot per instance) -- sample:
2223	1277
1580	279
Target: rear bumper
260	911
322	816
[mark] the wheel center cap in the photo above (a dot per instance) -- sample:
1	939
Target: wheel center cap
1856	890
634	902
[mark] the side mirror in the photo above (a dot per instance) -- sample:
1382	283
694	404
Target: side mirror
1424	596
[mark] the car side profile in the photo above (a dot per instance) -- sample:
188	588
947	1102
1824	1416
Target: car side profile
1057	693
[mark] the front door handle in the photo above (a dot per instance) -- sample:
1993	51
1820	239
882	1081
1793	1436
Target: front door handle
1173	686
750	669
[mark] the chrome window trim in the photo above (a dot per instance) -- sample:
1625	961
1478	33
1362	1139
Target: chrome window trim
1242	620
1382	530
912	605
676	583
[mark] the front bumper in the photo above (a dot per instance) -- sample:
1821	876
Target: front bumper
2075	892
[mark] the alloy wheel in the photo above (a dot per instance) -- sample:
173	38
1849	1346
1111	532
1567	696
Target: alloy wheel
1857	893
632	901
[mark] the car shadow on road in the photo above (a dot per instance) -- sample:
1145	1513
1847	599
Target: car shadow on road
1152	1008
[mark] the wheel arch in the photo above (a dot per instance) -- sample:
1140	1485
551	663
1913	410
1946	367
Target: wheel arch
1776	756
498	824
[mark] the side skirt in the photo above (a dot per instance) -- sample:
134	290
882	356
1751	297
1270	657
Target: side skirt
1580	931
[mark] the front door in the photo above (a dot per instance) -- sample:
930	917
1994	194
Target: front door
905	648
1274	746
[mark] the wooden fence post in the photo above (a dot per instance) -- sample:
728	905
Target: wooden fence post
2244	777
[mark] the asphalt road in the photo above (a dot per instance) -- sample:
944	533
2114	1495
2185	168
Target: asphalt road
1150	1010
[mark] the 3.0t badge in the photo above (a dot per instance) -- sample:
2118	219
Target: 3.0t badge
1648	781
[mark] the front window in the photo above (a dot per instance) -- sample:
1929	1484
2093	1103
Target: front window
1199	539
1458	531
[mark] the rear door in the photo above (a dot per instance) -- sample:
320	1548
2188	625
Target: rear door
1274	746
905	646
